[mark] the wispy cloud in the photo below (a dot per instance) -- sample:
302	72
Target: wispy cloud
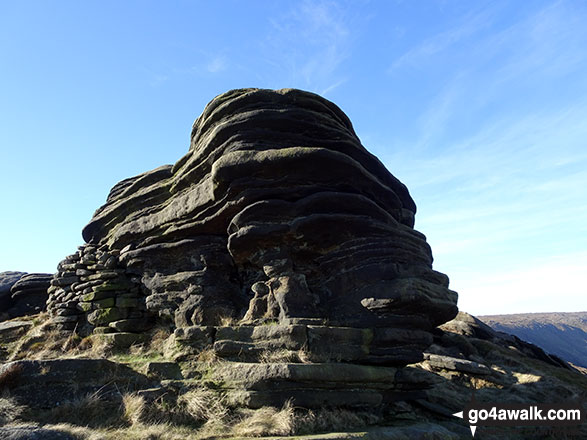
309	43
502	191
499	198
467	26
217	64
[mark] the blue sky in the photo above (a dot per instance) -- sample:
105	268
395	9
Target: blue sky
479	107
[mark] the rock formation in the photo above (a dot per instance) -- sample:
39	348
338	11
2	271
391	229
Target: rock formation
274	266
276	214
23	294
7	280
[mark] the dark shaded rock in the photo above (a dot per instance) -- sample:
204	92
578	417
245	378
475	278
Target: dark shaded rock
12	330
65	379
29	294
7	280
164	370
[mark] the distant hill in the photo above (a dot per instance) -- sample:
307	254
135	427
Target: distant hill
563	334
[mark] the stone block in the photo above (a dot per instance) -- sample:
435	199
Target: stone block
131	325
105	316
164	370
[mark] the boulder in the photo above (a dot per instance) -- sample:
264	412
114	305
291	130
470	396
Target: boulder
7	280
29	294
277	214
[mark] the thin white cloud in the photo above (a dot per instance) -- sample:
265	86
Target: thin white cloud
217	64
309	43
494	200
440	42
332	87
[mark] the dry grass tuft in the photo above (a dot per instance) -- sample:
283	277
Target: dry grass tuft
204	405
278	356
227	321
89	410
39	343
207	358
162	431
134	409
10	375
158	339
301	356
267	421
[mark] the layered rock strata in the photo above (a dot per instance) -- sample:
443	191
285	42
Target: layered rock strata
23	294
277	215
7	280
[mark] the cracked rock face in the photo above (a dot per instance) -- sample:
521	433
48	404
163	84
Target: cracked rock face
277	213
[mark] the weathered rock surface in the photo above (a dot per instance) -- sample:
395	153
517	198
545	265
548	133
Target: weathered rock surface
7	280
63	380
23	294
29	294
276	214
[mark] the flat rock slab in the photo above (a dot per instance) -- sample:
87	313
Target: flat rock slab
65	379
255	385
32	433
10	330
455	364
121	340
256	376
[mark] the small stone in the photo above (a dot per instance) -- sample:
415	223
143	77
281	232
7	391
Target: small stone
84	306
120	285
102	330
111	263
83	272
131	325
105	275
96	296
83	286
73	257
65	281
121	340
105	316
96	266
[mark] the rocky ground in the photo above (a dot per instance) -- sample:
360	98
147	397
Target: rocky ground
58	385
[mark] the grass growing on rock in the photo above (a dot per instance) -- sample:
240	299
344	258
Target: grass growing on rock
10	410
